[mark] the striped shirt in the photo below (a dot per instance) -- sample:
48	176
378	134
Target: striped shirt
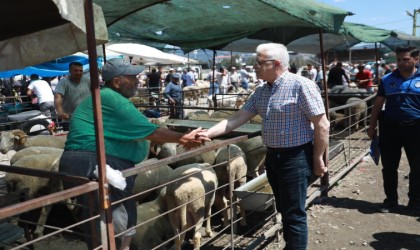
286	107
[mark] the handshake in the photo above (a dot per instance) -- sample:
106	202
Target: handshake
195	138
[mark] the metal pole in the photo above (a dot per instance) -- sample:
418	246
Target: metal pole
213	68
415	21
325	179
376	65
231	59
104	52
107	233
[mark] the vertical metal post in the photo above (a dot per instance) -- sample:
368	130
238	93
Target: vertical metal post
376	64
104	52
107	233
233	227
213	80
325	180
231	59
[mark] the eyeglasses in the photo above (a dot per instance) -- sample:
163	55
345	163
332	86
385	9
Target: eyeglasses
262	62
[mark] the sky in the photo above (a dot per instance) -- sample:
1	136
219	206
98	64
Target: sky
385	14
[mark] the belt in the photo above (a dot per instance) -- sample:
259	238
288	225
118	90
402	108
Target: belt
404	123
289	149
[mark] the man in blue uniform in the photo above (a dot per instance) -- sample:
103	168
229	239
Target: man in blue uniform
399	127
173	92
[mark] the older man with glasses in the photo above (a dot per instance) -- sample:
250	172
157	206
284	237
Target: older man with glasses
288	104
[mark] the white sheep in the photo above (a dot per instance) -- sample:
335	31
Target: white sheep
34	151
17	140
199	115
227	101
151	178
237	174
355	113
156	231
172	149
255	150
221	115
36	186
192	198
191	93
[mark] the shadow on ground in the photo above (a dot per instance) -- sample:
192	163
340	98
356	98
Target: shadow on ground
395	241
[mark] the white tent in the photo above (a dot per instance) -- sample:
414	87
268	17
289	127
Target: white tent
147	55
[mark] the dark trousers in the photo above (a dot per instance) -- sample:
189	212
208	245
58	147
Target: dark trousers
288	174
392	138
82	163
175	111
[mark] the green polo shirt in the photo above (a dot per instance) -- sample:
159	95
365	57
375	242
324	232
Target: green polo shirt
124	127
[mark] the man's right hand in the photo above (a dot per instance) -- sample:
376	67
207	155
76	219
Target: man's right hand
63	116
372	132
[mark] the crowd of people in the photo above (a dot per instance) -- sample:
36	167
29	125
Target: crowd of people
339	74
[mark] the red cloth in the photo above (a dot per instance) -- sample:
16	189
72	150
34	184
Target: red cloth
363	75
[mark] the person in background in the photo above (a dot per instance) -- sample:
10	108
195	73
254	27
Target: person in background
293	68
195	74
319	78
337	76
295	130
386	69
399	127
244	76
212	78
153	85
125	132
71	91
234	78
44	93
168	76
312	73
173	92
364	78
189	78
223	79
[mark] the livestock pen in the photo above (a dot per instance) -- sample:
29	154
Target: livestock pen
347	147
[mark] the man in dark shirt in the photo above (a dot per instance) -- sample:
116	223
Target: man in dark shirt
336	74
153	85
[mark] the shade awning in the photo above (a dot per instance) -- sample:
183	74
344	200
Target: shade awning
36	32
213	24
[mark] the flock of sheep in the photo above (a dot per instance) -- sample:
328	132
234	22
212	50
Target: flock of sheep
195	184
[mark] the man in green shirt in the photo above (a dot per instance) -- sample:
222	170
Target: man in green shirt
125	133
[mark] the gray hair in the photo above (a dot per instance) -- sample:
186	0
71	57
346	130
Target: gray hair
275	51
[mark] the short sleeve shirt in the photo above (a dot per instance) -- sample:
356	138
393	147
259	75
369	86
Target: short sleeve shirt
42	90
73	93
286	108
124	128
402	96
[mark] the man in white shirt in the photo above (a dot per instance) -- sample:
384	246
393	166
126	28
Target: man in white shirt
311	72
44	93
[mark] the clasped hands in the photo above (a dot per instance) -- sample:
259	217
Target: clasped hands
195	138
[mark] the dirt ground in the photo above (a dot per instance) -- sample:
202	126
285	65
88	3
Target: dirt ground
348	218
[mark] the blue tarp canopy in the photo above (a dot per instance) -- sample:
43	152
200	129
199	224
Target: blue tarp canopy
57	67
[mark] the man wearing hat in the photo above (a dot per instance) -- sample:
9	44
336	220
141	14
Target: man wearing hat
173	92
125	133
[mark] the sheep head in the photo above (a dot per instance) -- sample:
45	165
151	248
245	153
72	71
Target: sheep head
19	136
